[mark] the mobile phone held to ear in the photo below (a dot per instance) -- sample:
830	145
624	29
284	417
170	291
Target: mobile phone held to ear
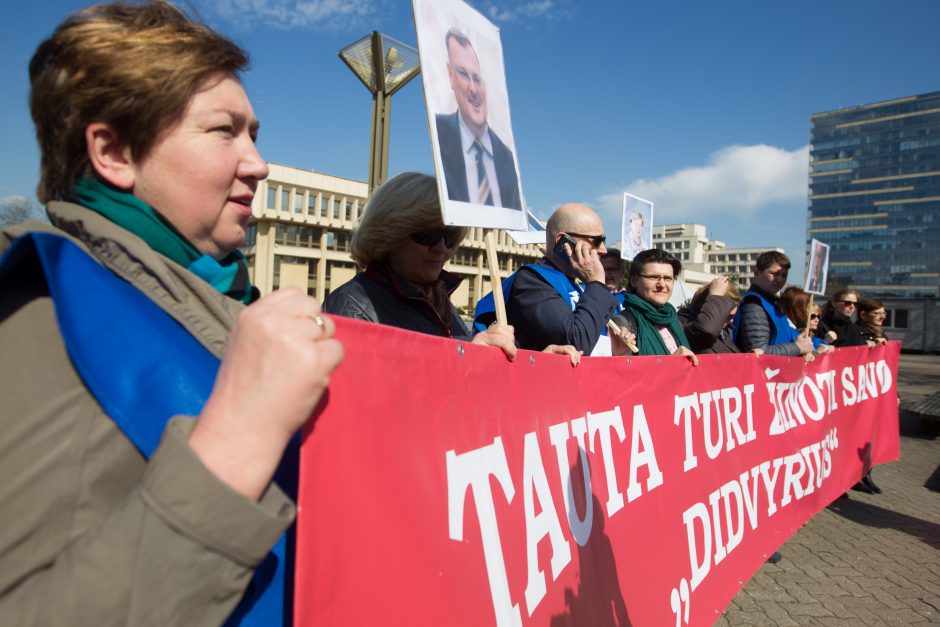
563	255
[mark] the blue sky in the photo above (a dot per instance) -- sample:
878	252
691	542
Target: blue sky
702	107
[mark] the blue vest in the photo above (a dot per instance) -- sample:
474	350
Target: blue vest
781	331
621	298
143	368
569	290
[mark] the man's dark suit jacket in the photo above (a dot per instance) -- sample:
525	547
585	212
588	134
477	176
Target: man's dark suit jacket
455	169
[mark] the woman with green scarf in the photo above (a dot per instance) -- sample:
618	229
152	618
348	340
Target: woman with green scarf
653	274
148	394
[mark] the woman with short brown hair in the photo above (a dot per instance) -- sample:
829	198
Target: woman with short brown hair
144	408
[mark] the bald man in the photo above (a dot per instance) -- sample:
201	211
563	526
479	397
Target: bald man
561	299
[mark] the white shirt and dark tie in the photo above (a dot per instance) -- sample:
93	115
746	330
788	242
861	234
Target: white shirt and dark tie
482	184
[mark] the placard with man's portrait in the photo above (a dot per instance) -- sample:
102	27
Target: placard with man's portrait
817	270
465	92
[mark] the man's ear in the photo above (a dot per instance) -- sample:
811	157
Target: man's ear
110	156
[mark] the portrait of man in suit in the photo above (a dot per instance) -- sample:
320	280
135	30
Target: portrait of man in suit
478	167
819	265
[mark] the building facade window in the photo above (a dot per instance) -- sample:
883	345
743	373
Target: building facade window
896	318
876	208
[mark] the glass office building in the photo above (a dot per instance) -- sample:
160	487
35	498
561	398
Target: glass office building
874	195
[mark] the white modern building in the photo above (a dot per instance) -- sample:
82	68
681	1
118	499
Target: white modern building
301	227
704	259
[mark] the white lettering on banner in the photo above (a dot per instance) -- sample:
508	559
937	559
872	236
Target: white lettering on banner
646	457
700	567
580	528
538	526
827	381
865	381
473	469
883	375
770	482
716	421
814	398
601	424
795	402
724	432
722	523
849	397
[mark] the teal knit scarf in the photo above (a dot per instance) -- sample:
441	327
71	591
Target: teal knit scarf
229	276
648	317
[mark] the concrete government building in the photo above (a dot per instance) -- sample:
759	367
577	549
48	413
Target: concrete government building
301	227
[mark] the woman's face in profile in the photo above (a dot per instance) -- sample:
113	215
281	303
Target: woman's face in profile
202	173
874	318
730	320
814	318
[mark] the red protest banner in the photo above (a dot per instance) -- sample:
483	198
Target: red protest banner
443	485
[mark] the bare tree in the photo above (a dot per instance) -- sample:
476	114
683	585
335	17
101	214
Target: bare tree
16	209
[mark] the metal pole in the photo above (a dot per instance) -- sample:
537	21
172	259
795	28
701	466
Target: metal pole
383	73
378	148
381	108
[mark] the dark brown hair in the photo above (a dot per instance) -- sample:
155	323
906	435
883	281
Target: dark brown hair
653	255
769	258
868	305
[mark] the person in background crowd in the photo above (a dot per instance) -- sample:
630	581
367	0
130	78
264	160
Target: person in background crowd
837	317
402	243
562	299
814	325
871	317
794	303
707	319
113	511
647	309
613	274
760	323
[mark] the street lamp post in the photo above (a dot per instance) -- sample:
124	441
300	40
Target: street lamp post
383	65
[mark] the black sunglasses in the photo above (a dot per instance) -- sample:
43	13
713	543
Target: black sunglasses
814	316
596	240
432	237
